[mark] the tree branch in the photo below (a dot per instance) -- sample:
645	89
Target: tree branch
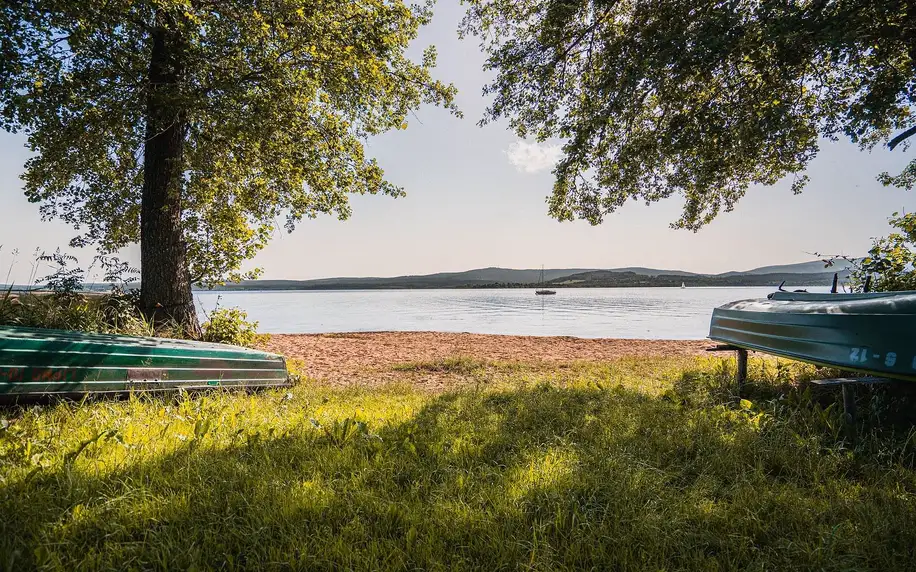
588	30
900	138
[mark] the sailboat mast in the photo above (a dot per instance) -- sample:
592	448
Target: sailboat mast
541	284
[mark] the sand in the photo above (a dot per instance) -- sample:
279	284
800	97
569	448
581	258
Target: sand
332	356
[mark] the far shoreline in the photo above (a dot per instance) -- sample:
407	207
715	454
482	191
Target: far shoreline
531	287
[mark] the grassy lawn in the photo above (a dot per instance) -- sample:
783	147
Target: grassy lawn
628	465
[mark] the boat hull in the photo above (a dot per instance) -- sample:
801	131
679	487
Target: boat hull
36	362
868	333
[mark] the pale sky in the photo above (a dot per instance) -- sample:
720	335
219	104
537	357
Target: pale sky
476	198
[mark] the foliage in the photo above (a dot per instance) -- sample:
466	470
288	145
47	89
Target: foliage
693	98
109	313
231	326
64	281
273	100
891	261
66	306
642	463
120	274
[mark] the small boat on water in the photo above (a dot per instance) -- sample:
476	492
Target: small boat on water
541	291
683	285
37	362
871	333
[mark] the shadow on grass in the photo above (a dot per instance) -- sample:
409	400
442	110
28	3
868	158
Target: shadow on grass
539	477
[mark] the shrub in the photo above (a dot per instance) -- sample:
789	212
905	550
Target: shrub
891	261
113	313
231	326
67	306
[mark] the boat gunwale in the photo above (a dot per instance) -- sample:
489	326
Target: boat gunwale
785	304
825	296
93	338
266	357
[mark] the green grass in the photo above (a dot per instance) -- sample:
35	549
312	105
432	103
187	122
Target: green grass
109	313
630	465
460	365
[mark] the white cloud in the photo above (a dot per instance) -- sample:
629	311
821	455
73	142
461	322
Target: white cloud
533	157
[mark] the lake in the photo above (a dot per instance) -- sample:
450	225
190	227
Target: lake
653	313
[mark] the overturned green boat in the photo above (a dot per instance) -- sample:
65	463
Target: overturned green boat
871	333
37	362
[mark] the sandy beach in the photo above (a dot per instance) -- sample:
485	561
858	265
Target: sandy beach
328	356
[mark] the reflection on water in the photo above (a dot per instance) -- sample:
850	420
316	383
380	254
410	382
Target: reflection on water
660	313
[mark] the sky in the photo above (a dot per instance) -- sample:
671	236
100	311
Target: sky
476	198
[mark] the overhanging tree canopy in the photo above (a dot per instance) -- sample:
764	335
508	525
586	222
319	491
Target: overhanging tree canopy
197	126
698	98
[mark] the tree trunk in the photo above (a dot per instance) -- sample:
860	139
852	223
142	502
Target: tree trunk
165	281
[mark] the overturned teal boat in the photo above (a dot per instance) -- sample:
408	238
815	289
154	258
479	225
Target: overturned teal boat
871	333
37	362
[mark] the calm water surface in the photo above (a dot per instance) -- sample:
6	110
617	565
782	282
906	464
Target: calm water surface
655	313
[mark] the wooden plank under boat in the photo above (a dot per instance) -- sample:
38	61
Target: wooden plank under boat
37	362
871	333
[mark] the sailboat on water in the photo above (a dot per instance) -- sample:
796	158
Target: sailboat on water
541	291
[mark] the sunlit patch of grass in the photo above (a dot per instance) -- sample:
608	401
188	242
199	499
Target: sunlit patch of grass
632	464
545	471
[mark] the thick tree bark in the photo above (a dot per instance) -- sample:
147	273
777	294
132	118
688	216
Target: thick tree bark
165	282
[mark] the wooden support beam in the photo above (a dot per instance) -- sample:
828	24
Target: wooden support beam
849	404
723	348
741	355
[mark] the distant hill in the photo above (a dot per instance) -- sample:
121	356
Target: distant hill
813	267
467	278
651	271
611	279
805	273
